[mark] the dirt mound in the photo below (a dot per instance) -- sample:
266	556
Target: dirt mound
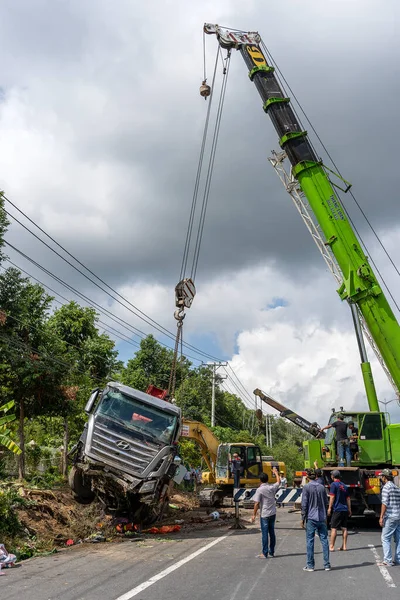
54	516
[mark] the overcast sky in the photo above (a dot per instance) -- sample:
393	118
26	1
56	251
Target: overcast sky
100	132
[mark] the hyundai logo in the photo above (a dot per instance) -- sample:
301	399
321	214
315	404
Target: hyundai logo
123	445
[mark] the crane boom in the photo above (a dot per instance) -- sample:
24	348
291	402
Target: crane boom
360	286
311	428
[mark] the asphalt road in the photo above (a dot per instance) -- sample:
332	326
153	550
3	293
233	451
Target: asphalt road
218	564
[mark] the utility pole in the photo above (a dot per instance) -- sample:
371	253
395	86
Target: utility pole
266	430
270	430
214	367
386	402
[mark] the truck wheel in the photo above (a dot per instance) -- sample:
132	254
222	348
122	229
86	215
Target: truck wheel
82	491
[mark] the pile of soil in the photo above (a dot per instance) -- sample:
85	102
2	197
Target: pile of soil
54	519
54	516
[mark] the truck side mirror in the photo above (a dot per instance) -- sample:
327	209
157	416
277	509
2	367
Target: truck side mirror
91	401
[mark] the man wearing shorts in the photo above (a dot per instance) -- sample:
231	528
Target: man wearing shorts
339	508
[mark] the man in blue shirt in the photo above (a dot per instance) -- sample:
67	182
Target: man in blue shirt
339	501
314	502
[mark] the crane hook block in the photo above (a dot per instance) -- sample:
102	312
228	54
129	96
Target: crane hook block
185	291
205	90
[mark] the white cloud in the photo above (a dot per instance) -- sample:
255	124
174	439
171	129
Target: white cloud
100	126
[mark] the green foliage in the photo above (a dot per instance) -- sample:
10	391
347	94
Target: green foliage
152	365
5	439
190	453
9	523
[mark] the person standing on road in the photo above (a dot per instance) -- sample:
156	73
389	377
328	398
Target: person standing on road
283	486
236	468
264	498
390	519
339	501
314	503
342	439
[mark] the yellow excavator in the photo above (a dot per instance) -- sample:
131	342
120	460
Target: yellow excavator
217	458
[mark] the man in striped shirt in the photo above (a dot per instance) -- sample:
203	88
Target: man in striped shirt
390	519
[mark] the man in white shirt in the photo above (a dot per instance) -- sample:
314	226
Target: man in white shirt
264	498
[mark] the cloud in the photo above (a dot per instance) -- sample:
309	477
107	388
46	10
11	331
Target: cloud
100	127
101	124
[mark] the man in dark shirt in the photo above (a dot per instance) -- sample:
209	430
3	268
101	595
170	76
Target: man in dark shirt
353	440
339	501
342	439
319	475
236	468
314	502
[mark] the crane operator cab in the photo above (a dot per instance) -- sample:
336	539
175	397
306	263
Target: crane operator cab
366	439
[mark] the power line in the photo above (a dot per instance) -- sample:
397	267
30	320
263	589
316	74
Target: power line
131	307
19	344
67	300
249	396
88	300
110	315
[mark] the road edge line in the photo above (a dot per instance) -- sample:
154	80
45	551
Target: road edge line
384	572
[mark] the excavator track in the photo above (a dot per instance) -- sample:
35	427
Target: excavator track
210	497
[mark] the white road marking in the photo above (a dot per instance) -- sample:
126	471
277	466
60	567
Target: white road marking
138	589
236	590
384	572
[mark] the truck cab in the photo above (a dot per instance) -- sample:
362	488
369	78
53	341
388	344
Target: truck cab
126	452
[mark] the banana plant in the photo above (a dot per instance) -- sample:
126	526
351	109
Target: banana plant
5	439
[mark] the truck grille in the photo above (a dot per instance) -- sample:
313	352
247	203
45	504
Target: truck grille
130	455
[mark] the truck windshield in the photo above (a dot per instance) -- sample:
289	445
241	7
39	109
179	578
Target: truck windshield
138	416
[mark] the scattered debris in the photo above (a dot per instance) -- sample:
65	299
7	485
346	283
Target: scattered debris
6	559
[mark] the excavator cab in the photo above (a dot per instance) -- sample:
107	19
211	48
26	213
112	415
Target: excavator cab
250	456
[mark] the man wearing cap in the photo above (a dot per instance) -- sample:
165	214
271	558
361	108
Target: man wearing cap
339	501
314	503
342	439
390	519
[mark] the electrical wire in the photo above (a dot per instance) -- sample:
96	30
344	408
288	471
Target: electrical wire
134	309
68	300
19	344
89	301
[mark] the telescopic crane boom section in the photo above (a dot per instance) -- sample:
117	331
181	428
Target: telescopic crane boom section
311	428
360	285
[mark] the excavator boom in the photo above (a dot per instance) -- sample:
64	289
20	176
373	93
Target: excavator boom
311	428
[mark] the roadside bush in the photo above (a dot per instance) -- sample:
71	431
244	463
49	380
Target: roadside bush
9	522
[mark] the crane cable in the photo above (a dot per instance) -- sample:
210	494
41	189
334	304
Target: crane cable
180	312
270	57
210	171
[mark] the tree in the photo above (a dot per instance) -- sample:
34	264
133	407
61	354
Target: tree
152	364
91	356
31	371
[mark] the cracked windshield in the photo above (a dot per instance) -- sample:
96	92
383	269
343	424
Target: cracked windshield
138	416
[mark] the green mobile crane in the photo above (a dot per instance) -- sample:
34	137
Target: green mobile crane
310	185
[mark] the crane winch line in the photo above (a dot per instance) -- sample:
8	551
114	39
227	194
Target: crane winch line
185	290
